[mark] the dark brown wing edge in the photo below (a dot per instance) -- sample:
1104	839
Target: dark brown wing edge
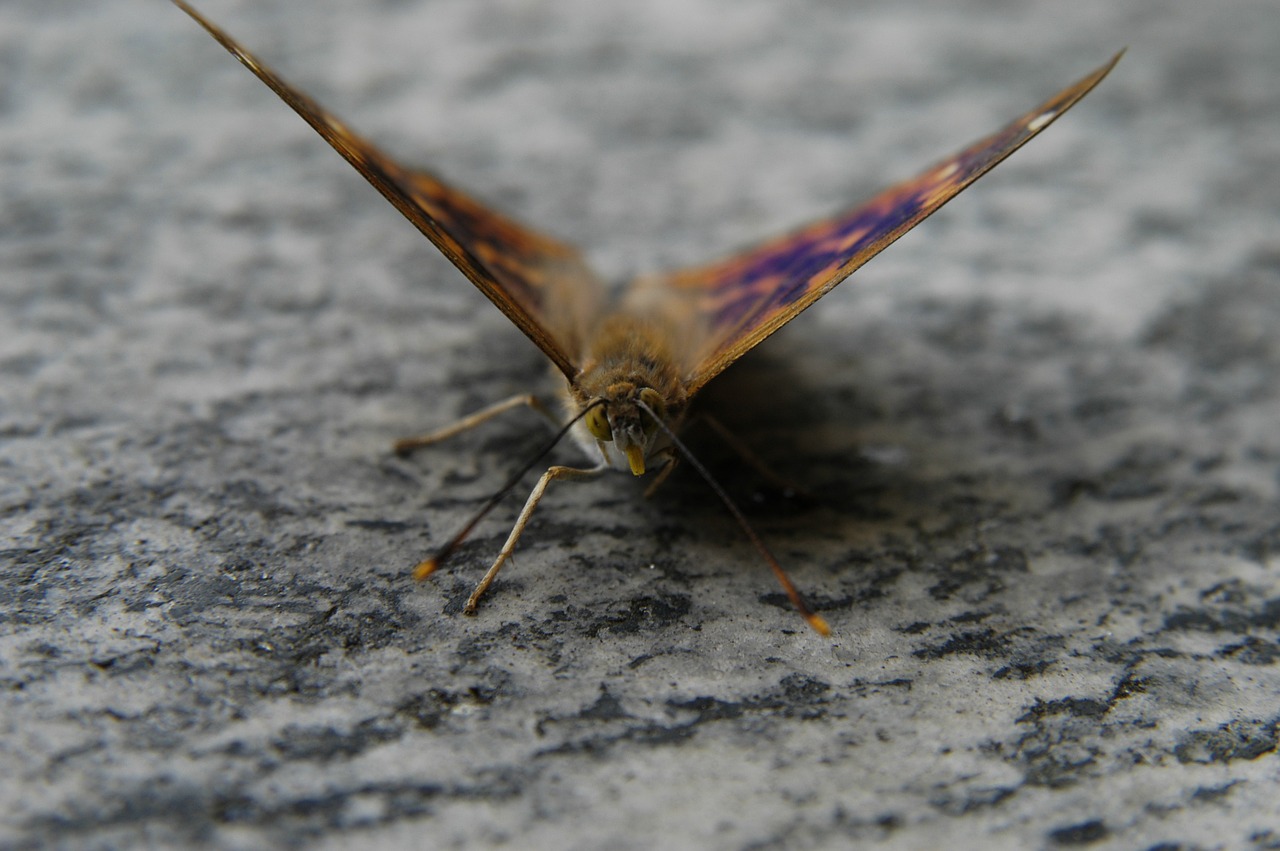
521	263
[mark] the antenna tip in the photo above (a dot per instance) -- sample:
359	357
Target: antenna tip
428	566
819	624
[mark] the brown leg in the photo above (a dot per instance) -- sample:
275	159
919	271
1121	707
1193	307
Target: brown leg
672	460
753	460
557	472
405	445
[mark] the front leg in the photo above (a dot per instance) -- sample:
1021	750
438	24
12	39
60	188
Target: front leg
556	472
405	445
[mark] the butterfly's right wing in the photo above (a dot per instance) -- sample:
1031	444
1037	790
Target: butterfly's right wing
743	299
541	284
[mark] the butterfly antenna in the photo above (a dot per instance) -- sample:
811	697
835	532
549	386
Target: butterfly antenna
428	566
814	620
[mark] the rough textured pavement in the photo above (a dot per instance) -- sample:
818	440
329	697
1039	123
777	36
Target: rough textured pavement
1040	435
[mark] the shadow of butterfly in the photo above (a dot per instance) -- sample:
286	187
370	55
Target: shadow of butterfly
633	364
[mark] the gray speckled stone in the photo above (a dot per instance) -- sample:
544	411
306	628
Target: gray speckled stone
1040	433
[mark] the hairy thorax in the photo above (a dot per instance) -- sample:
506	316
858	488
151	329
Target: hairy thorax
627	356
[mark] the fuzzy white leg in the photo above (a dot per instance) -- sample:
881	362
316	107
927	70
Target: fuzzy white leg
552	473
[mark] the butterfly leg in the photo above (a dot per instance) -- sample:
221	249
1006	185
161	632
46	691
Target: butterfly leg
670	464
405	445
753	460
552	473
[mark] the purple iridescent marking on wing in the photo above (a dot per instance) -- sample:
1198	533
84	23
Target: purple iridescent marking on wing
783	273
750	295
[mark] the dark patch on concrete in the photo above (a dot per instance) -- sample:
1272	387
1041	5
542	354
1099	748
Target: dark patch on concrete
819	603
841	827
796	695
986	643
435	707
1128	687
1022	670
642	614
1080	707
1084	833
1242	739
970	617
1252	651
380	525
1141	473
606	723
606	708
188	813
979	573
1057	752
1212	794
325	744
363	616
973	800
1264	547
1265	616
1266	839
1067	738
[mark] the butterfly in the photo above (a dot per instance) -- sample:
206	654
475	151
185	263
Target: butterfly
633	364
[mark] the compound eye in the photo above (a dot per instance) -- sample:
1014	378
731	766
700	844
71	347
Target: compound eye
598	424
653	399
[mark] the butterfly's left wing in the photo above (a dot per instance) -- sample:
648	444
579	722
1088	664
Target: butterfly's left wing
541	284
745	298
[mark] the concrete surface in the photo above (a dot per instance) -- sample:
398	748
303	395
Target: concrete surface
1040	434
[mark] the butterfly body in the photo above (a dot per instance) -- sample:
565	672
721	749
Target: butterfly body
631	358
632	370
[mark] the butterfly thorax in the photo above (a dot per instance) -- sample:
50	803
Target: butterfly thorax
629	361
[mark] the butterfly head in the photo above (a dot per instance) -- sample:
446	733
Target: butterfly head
615	417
